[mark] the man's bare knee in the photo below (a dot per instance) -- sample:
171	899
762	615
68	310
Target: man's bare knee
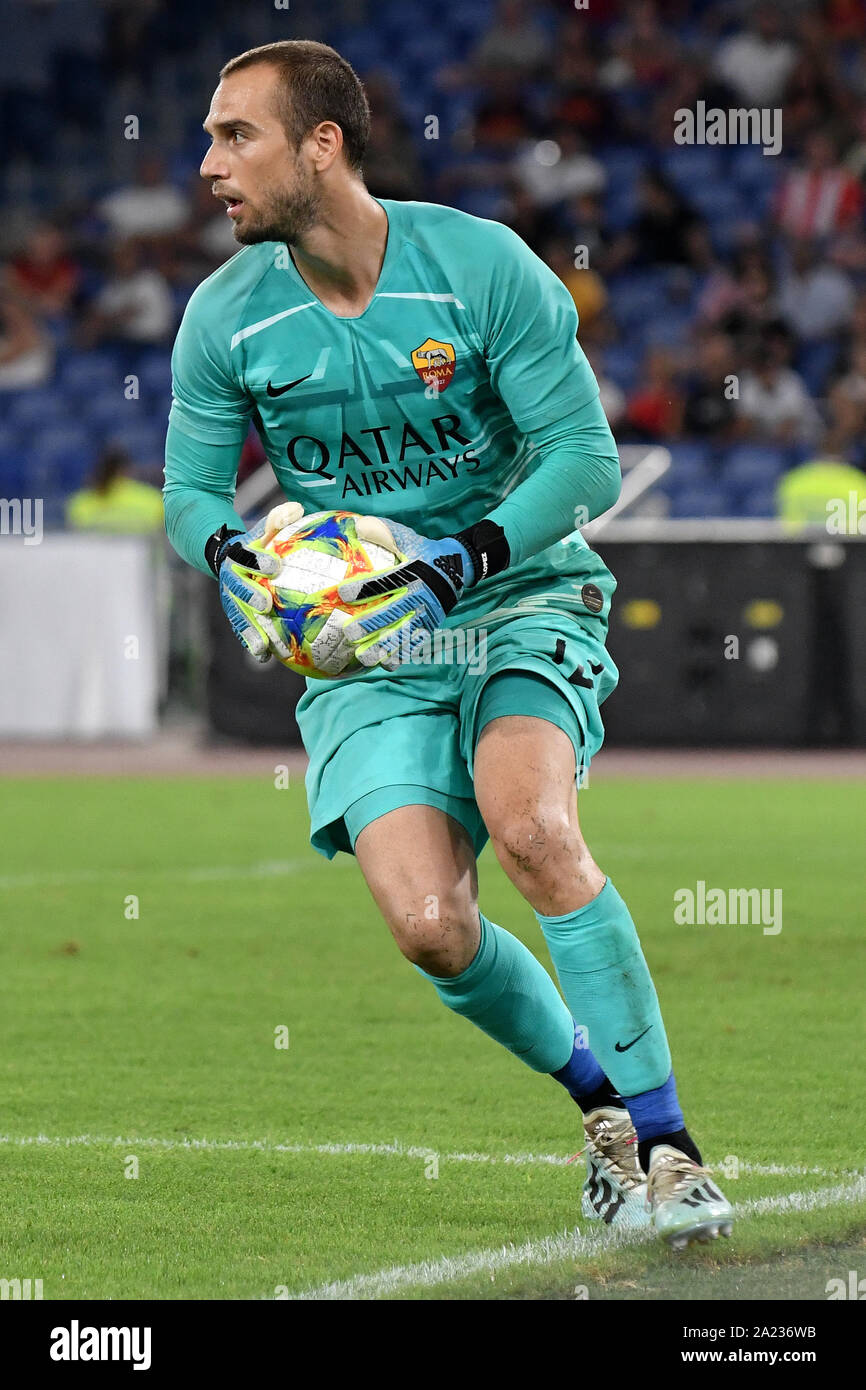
536	843
419	865
547	860
444	948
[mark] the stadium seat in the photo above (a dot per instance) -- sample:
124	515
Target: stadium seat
620	207
144	443
637	298
670	330
691	463
87	373
751	170
758	502
717	201
814	362
753	465
360	47
482	202
623	164
154	373
701	501
689	167
27	409
11	473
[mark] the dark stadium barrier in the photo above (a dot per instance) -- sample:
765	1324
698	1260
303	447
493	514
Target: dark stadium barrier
245	700
726	642
719	642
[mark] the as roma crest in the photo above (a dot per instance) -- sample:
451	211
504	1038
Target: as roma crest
435	362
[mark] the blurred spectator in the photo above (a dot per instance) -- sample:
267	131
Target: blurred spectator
579	99
821	196
853	337
583	217
754	306
710	410
150	207
558	168
501	117
855	158
391	165
115	501
594	94
667	231
514	42
689	84
774	403
133	306
816	300
812	92
43	274
26	353
655	409
613	401
585	286
535	225
851	385
206	240
756	64
810	494
646	54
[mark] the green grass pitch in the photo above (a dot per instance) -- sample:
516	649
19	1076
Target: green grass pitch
158	935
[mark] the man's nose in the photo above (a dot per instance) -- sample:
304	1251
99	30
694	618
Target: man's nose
212	167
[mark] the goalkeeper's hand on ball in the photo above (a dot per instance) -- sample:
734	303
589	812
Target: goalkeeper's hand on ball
236	558
427	582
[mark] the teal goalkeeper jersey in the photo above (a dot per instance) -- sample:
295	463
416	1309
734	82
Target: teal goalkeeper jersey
460	393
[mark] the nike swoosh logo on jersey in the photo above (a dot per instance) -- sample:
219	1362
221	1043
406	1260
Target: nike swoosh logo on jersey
279	390
619	1047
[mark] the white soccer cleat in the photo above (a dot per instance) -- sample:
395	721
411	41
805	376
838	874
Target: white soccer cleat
615	1188
684	1202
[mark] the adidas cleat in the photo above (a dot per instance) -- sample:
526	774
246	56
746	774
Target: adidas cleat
615	1186
684	1203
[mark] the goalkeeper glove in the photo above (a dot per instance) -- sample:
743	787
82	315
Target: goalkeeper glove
236	558
427	581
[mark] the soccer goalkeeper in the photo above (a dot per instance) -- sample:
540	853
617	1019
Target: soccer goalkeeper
414	364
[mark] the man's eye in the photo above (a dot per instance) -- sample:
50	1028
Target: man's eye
238	135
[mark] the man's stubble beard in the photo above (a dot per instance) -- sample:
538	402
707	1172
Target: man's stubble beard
287	217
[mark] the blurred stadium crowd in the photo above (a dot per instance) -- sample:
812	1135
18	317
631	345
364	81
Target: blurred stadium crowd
721	291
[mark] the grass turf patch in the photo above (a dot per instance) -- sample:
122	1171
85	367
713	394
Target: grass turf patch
162	1026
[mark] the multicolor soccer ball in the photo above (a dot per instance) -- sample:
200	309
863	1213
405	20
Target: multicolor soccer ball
318	553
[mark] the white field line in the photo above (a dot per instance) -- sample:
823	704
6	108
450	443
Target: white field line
537	1253
394	1150
208	873
429	1273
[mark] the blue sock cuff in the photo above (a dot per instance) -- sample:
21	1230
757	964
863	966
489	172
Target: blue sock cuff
656	1112
581	1074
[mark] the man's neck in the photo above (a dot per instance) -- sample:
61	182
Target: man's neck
341	257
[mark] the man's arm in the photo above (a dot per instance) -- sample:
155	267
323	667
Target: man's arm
199	494
538	368
208	424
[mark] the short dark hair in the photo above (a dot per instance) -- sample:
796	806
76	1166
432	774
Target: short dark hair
316	85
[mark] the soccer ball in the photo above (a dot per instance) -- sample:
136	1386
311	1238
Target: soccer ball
318	553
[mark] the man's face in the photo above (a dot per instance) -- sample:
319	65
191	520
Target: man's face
267	186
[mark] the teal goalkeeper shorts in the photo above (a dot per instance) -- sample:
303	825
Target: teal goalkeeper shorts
387	739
